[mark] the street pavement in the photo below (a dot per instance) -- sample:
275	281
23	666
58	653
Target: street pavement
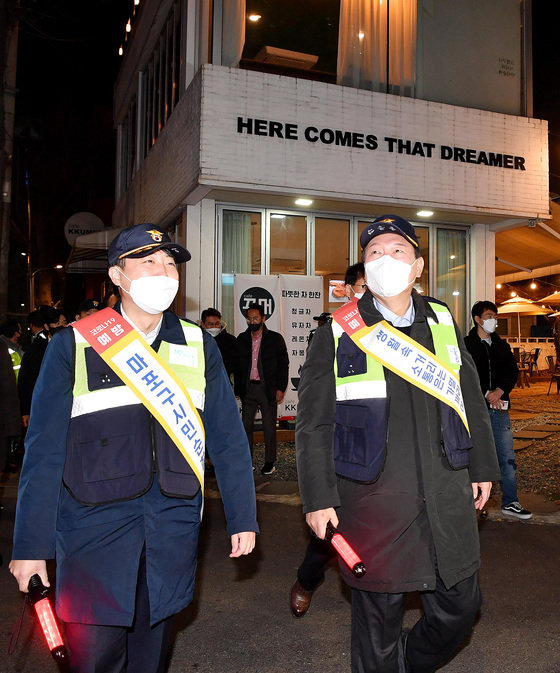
240	619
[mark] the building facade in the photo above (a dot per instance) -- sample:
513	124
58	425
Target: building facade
230	112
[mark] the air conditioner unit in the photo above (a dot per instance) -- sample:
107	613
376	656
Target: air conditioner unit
286	58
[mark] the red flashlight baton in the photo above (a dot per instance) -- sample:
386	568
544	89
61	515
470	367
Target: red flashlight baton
347	554
38	597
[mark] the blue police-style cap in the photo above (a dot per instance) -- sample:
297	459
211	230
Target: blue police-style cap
141	240
389	224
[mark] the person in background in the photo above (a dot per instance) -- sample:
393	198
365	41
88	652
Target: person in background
111	296
107	488
399	466
211	322
262	380
87	307
354	281
498	372
321	320
10	334
319	553
34	323
10	416
33	357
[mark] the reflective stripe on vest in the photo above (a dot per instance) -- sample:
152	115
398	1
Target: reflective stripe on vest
371	384
185	360
16	361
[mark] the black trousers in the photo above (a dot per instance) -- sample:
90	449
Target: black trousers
254	399
118	649
312	570
378	644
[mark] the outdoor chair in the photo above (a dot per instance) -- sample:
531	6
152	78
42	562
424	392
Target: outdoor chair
554	373
532	361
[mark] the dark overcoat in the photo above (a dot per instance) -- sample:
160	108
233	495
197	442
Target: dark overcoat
98	547
419	514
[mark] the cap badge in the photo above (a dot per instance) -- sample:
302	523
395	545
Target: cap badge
156	235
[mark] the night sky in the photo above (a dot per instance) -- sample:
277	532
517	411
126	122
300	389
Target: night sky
67	66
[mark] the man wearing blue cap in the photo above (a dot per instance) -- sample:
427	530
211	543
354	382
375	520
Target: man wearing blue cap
394	447
112	481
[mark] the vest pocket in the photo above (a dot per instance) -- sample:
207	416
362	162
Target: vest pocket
350	360
106	458
350	433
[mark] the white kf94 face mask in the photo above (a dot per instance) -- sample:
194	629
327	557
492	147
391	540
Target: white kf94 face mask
489	325
152	294
387	276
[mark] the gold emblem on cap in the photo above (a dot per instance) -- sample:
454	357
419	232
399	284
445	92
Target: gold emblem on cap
156	235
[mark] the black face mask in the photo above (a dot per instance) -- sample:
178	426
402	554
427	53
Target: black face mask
255	327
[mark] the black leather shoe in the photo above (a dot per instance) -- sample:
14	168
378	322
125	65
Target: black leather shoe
300	599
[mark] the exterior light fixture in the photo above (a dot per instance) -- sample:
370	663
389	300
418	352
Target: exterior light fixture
121	51
254	17
58	266
304	202
425	213
136	2
128	27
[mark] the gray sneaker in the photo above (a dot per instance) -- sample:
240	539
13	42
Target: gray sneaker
515	509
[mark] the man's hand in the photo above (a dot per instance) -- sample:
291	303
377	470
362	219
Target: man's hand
279	396
481	493
25	421
318	520
494	398
242	543
23	570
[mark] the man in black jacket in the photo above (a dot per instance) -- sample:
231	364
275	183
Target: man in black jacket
262	380
498	373
211	322
33	357
395	448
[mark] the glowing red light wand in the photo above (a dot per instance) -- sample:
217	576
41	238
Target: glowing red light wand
38	597
347	554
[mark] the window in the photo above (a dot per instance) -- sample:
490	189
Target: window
332	246
128	147
451	278
162	76
288	236
292	36
332	243
241	253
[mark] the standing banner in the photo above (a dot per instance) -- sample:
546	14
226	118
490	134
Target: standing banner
301	298
289	304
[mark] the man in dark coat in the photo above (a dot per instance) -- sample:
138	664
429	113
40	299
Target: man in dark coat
112	480
33	357
498	372
211	322
262	380
386	456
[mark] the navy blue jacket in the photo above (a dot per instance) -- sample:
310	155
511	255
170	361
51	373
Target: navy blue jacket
98	547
